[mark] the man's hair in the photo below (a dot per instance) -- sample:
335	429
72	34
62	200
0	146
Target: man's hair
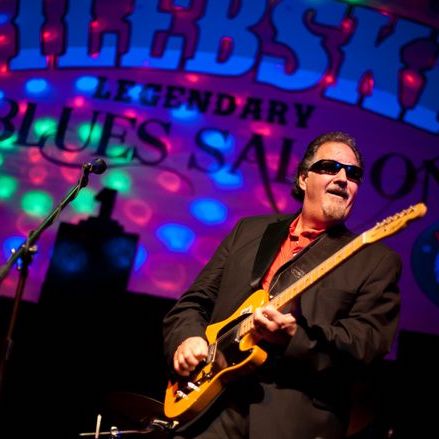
307	160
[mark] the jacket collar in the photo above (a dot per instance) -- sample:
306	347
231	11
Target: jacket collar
274	235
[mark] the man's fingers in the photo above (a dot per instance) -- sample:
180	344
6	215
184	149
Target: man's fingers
189	354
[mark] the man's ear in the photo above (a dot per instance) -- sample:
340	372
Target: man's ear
302	180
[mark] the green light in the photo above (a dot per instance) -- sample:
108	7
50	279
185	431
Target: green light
85	201
84	133
37	203
45	127
117	180
2	160
8	143
8	185
119	153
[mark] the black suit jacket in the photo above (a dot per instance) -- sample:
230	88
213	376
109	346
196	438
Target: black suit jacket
347	319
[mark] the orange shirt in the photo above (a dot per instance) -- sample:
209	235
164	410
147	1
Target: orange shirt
296	241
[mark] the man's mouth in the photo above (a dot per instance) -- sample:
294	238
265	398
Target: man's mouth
339	193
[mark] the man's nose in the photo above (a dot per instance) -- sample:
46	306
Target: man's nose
341	176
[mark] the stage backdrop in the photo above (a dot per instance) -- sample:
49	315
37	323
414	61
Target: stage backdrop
201	109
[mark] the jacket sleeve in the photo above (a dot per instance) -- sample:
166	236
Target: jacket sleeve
192	312
366	332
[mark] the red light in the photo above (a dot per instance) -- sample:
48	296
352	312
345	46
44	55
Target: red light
328	79
47	36
37	174
412	79
34	155
3	68
367	84
347	24
3	39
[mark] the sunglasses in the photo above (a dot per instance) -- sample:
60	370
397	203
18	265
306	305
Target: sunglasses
332	167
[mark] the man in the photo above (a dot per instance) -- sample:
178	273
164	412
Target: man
342	323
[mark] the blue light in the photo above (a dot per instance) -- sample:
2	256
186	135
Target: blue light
209	211
4	18
182	3
141	257
12	243
120	252
218	140
224	179
69	257
86	83
37	86
2	94
184	114
176	237
135	91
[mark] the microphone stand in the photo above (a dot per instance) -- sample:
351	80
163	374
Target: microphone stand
25	254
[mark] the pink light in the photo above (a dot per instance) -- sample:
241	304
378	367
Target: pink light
265	131
3	39
4	68
272	162
71	175
279	195
22	107
204	248
130	113
159	271
169	181
138	212
26	223
37	174
78	101
70	156
192	78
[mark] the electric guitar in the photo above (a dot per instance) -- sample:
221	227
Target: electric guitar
233	350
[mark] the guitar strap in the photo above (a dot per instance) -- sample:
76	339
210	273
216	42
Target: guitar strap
311	256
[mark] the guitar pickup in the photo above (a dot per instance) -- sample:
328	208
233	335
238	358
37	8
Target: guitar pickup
192	386
181	395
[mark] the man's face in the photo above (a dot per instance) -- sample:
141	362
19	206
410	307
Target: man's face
329	198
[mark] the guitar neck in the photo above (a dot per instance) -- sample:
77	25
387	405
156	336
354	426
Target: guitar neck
298	287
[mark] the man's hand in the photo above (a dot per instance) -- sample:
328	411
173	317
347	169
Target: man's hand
189	354
273	326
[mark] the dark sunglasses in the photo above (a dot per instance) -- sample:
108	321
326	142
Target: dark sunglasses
332	167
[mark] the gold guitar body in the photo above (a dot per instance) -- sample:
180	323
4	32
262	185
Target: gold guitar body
208	383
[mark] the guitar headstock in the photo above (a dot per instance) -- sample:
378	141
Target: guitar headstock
394	223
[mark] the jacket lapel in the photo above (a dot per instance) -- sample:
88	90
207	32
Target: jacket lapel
271	240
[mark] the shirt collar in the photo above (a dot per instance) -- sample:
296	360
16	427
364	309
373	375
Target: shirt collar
306	233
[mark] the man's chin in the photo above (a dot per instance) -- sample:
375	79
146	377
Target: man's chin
336	212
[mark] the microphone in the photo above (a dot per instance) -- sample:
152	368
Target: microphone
96	166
